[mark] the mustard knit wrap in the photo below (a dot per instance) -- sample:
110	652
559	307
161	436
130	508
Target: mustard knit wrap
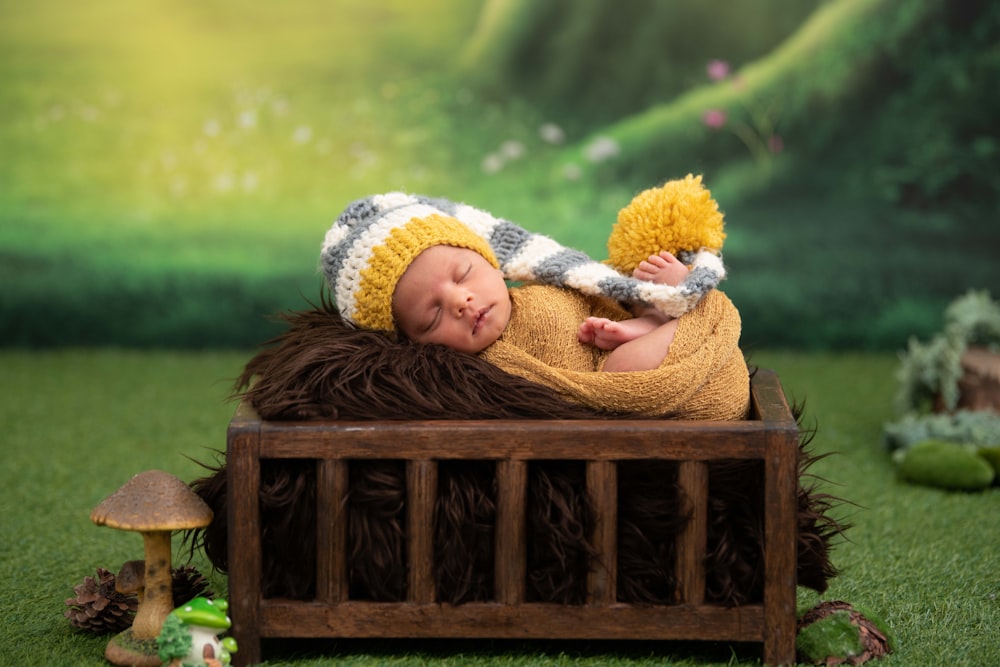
704	375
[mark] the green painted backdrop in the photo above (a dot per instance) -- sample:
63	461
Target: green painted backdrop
168	169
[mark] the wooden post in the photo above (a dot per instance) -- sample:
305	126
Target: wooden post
331	530
692	478
511	550
421	491
243	491
602	487
780	520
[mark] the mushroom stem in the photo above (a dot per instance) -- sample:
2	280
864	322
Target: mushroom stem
158	601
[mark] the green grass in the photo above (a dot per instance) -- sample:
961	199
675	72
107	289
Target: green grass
78	423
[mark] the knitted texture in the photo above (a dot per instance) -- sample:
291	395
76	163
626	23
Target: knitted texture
364	257
363	292
680	217
704	375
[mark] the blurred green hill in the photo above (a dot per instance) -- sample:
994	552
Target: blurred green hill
170	168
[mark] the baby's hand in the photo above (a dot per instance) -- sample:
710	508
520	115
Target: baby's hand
663	269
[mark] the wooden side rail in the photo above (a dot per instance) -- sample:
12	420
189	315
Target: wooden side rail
769	435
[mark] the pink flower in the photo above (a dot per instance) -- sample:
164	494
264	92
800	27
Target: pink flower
714	118
775	143
717	69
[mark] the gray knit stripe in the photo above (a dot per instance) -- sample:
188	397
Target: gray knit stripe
446	206
357	216
621	288
700	281
507	240
553	269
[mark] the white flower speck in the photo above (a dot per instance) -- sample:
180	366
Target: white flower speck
572	172
247	119
601	149
512	149
211	128
250	181
551	133
492	163
224	182
302	135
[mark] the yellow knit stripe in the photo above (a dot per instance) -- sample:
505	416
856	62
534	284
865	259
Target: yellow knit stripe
388	262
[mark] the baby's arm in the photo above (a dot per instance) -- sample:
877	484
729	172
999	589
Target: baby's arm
663	269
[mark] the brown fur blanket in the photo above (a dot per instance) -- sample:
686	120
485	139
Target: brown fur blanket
323	368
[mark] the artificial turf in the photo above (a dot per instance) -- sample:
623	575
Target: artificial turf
77	424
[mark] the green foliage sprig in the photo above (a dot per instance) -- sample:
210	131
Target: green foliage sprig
932	370
974	427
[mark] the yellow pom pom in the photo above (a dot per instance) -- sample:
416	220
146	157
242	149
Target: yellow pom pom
679	215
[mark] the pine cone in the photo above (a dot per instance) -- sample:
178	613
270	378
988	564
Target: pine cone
98	607
189	583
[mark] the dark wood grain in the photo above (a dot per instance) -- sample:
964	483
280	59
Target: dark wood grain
769	434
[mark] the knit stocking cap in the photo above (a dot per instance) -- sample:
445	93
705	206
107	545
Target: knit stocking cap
370	245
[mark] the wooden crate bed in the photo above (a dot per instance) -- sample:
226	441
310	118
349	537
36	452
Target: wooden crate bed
604	459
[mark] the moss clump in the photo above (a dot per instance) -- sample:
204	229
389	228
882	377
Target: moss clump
945	465
992	456
832	636
125	649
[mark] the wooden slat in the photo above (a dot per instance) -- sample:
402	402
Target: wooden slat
510	543
331	530
692	478
595	440
523	621
244	543
602	488
421	491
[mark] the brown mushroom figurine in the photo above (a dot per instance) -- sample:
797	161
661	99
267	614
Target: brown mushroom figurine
155	504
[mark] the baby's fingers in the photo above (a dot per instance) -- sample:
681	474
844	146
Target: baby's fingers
667	257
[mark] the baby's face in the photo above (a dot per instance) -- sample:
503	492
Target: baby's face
454	297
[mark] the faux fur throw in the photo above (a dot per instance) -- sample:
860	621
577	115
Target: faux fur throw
704	375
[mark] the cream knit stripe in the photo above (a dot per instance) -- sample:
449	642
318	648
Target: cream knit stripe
531	257
389	200
476	219
667	299
592	278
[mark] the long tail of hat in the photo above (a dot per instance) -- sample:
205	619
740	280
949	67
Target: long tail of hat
530	257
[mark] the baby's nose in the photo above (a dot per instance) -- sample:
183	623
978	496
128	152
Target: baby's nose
462	301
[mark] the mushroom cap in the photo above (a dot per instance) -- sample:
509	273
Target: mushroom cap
132	577
151	501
